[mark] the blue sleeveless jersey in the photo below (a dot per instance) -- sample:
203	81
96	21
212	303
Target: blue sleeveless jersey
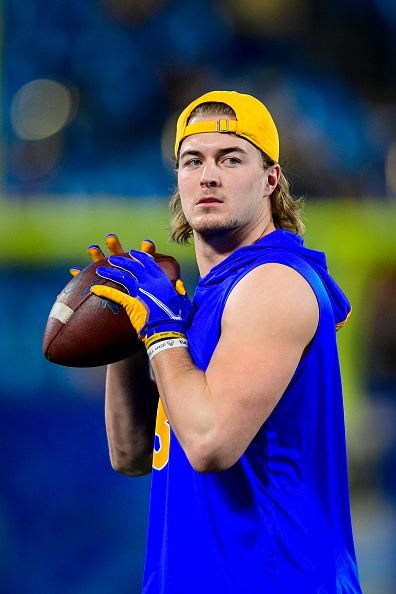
278	521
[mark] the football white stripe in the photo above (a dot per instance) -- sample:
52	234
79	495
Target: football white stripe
61	312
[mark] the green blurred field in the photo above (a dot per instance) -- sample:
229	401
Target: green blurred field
49	229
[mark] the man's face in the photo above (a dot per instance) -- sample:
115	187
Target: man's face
223	186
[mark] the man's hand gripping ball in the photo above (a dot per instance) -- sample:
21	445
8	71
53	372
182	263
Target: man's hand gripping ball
159	313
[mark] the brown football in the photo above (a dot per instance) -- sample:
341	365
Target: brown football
84	330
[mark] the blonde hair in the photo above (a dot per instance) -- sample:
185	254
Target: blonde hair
286	210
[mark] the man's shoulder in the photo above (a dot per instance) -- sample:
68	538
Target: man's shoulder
273	278
275	294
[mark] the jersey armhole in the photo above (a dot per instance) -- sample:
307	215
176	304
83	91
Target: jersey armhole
310	276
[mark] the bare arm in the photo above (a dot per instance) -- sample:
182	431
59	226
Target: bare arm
270	318
130	412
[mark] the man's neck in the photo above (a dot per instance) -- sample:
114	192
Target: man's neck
210	250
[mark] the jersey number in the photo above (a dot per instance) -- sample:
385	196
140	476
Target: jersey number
162	439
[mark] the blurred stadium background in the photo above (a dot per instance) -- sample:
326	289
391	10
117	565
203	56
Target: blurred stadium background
90	93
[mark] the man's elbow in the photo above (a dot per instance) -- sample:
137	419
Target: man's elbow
206	456
131	466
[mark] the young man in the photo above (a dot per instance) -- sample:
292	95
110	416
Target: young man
249	488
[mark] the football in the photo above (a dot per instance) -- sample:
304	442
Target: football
84	330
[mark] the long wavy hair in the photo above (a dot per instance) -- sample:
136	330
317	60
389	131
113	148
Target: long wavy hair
286	210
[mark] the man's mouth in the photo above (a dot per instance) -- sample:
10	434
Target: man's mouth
209	200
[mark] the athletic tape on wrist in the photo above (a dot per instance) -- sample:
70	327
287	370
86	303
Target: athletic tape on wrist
166	344
163	336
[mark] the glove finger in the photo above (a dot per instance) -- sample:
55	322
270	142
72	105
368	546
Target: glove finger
114	245
132	266
120	277
95	252
109	293
148	246
135	309
74	271
180	288
148	262
113	294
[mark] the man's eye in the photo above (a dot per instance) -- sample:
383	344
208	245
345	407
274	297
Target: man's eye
193	163
232	160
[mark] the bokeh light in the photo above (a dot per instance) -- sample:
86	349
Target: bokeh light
42	108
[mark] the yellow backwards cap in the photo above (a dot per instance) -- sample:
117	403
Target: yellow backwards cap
253	121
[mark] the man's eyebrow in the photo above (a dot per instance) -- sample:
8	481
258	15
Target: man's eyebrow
219	153
231	149
190	153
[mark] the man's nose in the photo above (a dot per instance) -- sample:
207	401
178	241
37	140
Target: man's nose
210	175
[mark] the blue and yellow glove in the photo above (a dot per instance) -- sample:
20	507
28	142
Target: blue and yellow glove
159	313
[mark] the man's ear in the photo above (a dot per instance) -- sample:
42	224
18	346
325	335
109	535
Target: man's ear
273	175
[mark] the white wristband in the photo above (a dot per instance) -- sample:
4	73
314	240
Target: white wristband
163	345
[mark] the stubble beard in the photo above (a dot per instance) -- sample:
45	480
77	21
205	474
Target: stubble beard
209	227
